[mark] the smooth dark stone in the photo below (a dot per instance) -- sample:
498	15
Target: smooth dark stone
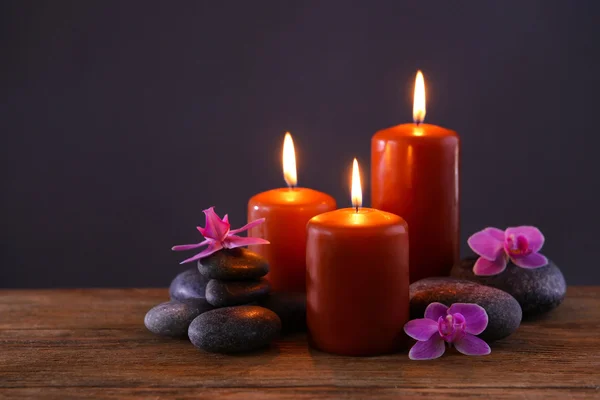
189	284
233	265
233	293
234	329
290	307
174	317
537	290
504	312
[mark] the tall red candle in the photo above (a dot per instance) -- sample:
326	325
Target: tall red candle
415	173
357	280
287	211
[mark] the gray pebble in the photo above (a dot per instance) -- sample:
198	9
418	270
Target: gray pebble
190	284
174	317
503	310
233	265
233	293
234	329
537	290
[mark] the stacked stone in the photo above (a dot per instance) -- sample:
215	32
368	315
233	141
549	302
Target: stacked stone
235	283
235	277
225	305
188	301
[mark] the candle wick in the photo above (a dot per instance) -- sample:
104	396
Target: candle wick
357	209
417	122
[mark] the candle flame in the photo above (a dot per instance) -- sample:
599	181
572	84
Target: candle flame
356	187
419	99
289	161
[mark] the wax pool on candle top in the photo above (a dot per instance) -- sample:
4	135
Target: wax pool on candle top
415	173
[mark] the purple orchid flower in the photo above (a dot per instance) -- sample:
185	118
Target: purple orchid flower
495	247
218	236
455	325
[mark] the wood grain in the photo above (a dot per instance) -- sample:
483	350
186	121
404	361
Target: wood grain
92	343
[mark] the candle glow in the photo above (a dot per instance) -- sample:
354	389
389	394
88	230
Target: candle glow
289	161
419	99
356	186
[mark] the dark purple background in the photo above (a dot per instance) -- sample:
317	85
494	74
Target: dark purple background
122	120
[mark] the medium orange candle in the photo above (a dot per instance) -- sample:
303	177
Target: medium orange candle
415	173
357	279
286	210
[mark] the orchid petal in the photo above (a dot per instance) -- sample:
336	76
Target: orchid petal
534	236
216	228
218	236
436	310
234	241
472	346
183	247
531	261
496	233
212	248
247	226
486	245
476	319
485	267
429	350
421	329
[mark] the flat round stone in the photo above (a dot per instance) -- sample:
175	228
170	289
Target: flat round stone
190	284
234	329
504	312
537	290
174	317
233	293
233	265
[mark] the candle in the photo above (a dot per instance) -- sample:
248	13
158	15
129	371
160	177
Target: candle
357	279
415	172
287	211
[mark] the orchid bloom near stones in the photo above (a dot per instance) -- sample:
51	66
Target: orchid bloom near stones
495	247
456	325
218	236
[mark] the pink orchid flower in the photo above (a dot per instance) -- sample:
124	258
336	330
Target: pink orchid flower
455	325
218	236
495	247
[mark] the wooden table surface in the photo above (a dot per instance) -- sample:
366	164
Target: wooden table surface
92	343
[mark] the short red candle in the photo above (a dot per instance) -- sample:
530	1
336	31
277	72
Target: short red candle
415	173
287	211
357	281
